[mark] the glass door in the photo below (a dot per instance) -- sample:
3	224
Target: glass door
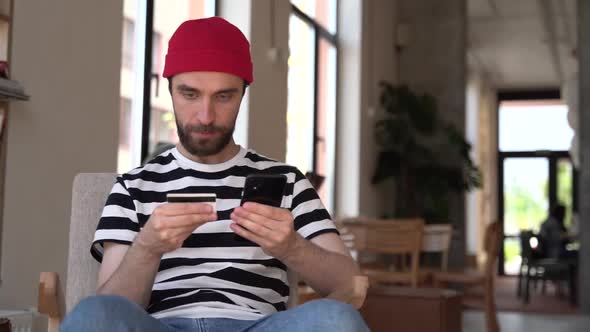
535	171
526	201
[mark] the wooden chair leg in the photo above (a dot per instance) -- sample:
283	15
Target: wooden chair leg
519	283
490	308
572	290
527	284
50	299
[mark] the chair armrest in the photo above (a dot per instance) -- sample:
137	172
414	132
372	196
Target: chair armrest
50	299
355	295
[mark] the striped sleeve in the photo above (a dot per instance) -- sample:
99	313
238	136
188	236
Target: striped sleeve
118	222
310	215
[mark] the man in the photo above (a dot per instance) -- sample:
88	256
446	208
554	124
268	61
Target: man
178	266
554	235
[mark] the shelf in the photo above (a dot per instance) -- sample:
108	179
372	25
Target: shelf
10	89
5	94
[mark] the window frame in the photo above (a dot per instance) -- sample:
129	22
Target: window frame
149	75
320	33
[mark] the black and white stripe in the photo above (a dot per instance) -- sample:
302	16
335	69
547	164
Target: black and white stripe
212	274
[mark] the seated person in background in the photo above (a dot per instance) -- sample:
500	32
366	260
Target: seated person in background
178	266
553	235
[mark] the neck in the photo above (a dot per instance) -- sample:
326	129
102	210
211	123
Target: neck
228	152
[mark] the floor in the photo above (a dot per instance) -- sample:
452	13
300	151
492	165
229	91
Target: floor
548	302
473	321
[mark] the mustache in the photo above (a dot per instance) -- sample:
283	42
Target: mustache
203	129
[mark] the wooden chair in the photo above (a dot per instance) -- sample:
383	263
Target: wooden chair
437	239
484	277
89	193
388	237
543	269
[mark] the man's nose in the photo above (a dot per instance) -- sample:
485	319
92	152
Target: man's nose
206	113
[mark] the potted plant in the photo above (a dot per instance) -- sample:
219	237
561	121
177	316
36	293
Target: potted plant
428	158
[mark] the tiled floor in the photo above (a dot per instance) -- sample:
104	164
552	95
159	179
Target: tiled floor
473	321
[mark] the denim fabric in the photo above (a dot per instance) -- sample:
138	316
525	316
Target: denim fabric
115	313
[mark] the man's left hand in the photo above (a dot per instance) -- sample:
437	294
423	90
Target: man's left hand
269	227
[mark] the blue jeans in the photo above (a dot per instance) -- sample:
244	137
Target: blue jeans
115	313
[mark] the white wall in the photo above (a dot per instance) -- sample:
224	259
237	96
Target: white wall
67	55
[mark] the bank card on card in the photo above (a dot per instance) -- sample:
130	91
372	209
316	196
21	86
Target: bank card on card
191	198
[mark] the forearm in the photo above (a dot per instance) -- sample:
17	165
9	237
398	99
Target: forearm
134	277
325	271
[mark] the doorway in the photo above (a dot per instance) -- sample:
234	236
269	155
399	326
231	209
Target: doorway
535	171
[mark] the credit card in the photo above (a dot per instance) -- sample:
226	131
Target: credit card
192	198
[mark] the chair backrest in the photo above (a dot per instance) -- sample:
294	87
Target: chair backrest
526	251
390	237
437	238
89	194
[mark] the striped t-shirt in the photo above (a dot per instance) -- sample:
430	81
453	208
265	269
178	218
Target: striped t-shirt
212	274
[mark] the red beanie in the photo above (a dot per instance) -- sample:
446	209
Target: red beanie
209	44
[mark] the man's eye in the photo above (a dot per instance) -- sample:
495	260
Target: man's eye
189	95
223	97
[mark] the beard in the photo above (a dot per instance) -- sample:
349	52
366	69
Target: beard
206	146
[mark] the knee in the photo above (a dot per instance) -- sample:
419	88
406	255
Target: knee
103	306
96	311
337	316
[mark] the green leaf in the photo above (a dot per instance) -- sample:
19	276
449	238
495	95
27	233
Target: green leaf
388	165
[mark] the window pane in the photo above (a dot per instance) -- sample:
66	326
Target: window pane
323	11
326	119
128	58
526	202
534	126
525	194
300	108
512	255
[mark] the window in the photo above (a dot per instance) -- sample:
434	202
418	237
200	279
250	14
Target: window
550	131
158	111
311	110
128	41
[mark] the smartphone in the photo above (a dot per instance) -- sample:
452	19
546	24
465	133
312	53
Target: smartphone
265	189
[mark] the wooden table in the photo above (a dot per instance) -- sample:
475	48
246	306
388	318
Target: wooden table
389	308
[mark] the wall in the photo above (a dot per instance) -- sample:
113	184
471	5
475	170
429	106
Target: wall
434	61
67	55
378	65
481	204
268	96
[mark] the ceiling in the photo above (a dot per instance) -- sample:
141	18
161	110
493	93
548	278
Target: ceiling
522	44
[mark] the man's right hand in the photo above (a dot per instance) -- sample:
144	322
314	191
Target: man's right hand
170	224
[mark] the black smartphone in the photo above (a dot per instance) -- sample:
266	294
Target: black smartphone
265	189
